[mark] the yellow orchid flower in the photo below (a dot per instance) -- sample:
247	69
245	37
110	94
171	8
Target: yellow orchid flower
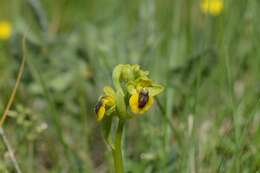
134	91
106	103
5	30
213	7
142	93
141	101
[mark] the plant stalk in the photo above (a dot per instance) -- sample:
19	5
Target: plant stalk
117	150
10	151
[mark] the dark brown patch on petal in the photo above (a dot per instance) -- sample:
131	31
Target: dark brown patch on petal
98	106
143	99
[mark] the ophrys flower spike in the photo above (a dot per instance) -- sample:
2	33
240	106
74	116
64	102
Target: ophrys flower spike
133	94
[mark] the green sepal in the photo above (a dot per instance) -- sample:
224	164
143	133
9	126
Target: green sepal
131	87
144	82
109	91
155	89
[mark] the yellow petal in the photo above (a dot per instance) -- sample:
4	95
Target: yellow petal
101	113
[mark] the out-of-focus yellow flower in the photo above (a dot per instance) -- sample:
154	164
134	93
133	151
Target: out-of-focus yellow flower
213	7
5	30
106	103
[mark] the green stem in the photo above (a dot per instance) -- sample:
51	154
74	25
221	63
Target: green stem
117	151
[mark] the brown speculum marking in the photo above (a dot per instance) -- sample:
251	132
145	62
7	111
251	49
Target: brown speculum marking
143	99
98	106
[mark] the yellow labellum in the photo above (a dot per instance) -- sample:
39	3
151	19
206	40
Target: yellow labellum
104	103
101	113
134	103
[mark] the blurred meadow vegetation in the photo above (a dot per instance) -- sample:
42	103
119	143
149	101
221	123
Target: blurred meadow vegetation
207	119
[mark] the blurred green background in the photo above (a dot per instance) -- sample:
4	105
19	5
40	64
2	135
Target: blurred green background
207	119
